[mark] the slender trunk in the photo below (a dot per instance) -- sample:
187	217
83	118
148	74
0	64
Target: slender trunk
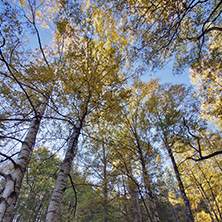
121	215
133	190
212	192
60	186
180	183
205	198
133	195
125	202
14	179
105	187
150	198
139	210
151	201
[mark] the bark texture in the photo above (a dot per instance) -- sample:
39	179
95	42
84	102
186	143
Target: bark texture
14	178
180	183
60	186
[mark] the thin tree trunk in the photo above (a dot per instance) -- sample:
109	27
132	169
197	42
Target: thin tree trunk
125	202
14	179
60	186
133	200
205	198
212	193
180	183
151	204
105	187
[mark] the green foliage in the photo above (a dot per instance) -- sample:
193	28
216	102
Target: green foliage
37	186
78	204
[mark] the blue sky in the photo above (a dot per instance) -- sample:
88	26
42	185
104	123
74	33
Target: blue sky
166	76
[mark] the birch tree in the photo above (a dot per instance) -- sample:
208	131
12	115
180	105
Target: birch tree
91	84
29	93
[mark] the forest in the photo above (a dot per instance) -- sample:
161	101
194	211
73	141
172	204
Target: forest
83	137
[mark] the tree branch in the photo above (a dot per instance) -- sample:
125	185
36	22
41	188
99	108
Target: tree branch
75	193
206	157
9	158
3	174
15	78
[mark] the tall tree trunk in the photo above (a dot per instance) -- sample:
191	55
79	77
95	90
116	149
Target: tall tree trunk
14	178
180	183
133	200
60	186
151	201
152	205
125	201
105	186
205	198
212	194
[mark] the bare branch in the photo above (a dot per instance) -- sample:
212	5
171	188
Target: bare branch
3	174
11	137
206	157
33	22
19	83
8	158
15	119
75	193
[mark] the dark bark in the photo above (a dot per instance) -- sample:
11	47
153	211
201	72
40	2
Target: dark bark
105	187
205	198
180	183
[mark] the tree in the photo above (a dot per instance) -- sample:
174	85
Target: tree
135	155
27	97
206	78
37	186
92	84
74	90
185	136
166	109
170	29
203	179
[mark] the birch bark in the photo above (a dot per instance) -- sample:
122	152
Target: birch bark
14	178
60	186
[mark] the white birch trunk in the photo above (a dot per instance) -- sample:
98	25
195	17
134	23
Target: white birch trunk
60	186
14	179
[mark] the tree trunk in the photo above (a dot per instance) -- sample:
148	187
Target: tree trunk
180	183
205	198
150	198
14	179
133	200
60	186
212	194
105	186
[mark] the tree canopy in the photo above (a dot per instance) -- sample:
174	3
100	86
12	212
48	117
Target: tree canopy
83	137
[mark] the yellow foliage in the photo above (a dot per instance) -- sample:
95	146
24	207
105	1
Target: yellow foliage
207	78
173	200
22	3
157	158
202	217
